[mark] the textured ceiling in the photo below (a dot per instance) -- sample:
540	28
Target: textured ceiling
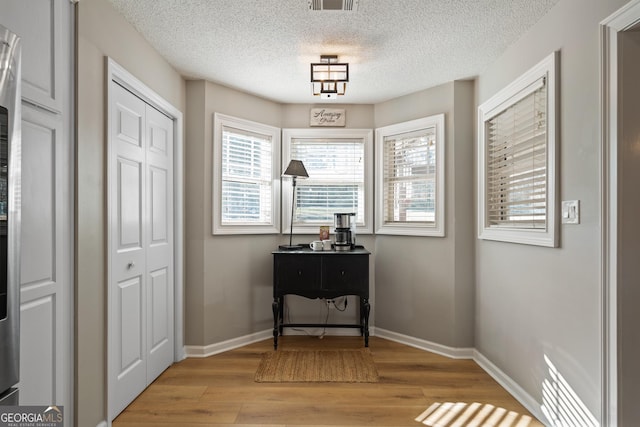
393	47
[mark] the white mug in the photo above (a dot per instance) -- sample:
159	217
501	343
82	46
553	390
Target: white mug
326	245
316	245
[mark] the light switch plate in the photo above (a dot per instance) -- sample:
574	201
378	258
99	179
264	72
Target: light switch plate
571	211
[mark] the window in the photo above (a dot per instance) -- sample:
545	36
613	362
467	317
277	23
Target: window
410	185
517	160
246	181
339	165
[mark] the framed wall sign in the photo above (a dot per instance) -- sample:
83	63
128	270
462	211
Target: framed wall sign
327	117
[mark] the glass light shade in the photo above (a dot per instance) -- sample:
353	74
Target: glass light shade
329	76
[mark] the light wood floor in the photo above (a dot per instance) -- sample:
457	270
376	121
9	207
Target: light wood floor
220	390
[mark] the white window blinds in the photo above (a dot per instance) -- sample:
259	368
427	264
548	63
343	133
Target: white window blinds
410	159
246	177
336	179
516	163
410	177
517	159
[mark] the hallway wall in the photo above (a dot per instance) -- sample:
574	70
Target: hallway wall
101	32
540	309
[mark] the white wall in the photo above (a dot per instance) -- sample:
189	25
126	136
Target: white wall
534	302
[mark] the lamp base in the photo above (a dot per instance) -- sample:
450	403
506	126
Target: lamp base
289	247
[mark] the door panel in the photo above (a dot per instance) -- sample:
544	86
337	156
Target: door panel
37	384
45	284
159	305
38	205
47	311
129	121
128	277
141	207
39	25
160	241
129	204
131	323
159	204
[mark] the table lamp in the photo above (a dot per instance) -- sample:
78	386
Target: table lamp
295	170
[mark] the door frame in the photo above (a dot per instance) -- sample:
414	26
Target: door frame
116	73
611	28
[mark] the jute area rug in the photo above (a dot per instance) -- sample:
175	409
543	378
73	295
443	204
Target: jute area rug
349	366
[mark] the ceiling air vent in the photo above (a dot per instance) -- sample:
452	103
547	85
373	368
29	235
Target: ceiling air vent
344	5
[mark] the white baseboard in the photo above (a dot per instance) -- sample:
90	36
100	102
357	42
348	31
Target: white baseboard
503	379
452	352
511	386
211	349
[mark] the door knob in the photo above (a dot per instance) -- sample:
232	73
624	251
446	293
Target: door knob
131	265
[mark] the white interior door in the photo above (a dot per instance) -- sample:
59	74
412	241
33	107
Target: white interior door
141	258
159	241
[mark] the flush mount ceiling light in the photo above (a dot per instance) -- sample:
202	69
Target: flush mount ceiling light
328	77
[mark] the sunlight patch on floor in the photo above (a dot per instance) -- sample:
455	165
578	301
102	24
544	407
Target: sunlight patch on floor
460	414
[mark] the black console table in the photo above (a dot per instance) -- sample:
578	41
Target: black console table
320	274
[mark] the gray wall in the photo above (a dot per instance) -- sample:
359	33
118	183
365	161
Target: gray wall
534	302
228	278
427	284
101	31
302	310
424	285
527	301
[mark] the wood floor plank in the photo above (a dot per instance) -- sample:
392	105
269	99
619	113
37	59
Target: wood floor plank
335	394
157	393
180	413
325	414
220	391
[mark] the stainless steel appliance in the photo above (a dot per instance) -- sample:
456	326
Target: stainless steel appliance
345	231
10	138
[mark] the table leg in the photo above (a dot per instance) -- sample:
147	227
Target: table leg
281	300
365	318
276	318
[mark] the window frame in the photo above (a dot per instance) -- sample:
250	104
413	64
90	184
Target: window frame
548	68
412	229
366	135
220	121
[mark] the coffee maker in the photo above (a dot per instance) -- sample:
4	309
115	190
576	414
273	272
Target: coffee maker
345	231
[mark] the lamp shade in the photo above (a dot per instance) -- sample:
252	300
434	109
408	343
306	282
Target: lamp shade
296	169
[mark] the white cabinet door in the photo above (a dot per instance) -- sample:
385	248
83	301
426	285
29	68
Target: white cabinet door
46	284
141	241
43	26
